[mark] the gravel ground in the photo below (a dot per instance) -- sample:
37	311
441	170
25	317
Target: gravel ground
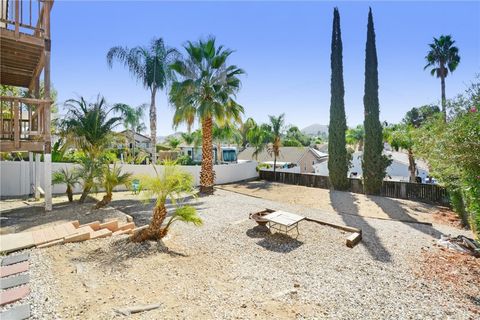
229	268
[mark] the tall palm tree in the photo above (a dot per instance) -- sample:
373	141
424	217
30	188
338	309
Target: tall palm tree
442	58
276	125
173	184
132	120
89	128
150	65
205	92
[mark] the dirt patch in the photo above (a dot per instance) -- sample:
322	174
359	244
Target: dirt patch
453	271
448	217
339	202
26	216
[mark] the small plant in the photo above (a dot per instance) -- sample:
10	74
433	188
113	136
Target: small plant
263	166
70	178
112	177
172	183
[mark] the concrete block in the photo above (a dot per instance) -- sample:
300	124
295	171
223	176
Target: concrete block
95	225
102	233
51	243
81	236
12	295
14	281
16	313
14	258
13	269
126	226
111	225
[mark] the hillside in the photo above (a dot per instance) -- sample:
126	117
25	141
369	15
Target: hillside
315	129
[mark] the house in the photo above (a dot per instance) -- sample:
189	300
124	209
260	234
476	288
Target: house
229	154
141	141
397	171
291	159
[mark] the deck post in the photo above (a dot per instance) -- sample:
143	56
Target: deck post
31	176
37	176
47	157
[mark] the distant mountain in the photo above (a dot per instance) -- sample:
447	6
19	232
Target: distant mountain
162	139
316	129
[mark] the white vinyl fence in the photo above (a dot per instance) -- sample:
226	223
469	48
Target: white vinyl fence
15	175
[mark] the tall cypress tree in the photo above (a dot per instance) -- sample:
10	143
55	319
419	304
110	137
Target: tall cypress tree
374	163
337	150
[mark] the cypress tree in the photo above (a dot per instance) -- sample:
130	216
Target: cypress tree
374	163
337	150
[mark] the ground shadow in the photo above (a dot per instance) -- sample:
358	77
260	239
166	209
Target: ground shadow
258	231
344	204
279	242
119	250
396	212
252	185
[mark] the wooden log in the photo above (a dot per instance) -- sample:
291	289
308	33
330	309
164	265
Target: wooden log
136	309
344	228
353	239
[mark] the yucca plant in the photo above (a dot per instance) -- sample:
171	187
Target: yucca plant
174	184
69	177
111	178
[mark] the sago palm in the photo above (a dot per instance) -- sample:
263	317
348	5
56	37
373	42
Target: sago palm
111	178
205	91
150	65
68	177
442	58
89	128
174	184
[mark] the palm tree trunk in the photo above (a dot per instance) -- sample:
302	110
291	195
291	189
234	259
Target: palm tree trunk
105	200
412	166
69	193
133	147
154	230
360	145
153	126
84	195
274	166
207	175
444	99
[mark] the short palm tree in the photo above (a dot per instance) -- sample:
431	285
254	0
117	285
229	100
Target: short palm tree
442	58
221	134
89	128
111	178
132	120
150	65
244	129
205	91
69	177
171	183
276	126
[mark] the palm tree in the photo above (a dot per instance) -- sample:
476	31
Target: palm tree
400	136
89	128
173	143
442	58
244	129
356	136
150	65
112	177
276	126
70	178
132	120
258	137
173	184
206	92
221	134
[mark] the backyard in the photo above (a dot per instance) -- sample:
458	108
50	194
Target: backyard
246	271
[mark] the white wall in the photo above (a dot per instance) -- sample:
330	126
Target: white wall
14	175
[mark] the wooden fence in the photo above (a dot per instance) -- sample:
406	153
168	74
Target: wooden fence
428	193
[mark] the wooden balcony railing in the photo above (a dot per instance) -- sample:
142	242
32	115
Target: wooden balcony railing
24	123
23	16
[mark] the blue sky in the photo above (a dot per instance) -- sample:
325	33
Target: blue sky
283	46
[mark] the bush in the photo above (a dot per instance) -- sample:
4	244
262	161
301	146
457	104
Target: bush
263	165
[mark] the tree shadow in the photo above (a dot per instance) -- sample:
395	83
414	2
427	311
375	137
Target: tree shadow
253	185
279	242
120	249
344	204
396	212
